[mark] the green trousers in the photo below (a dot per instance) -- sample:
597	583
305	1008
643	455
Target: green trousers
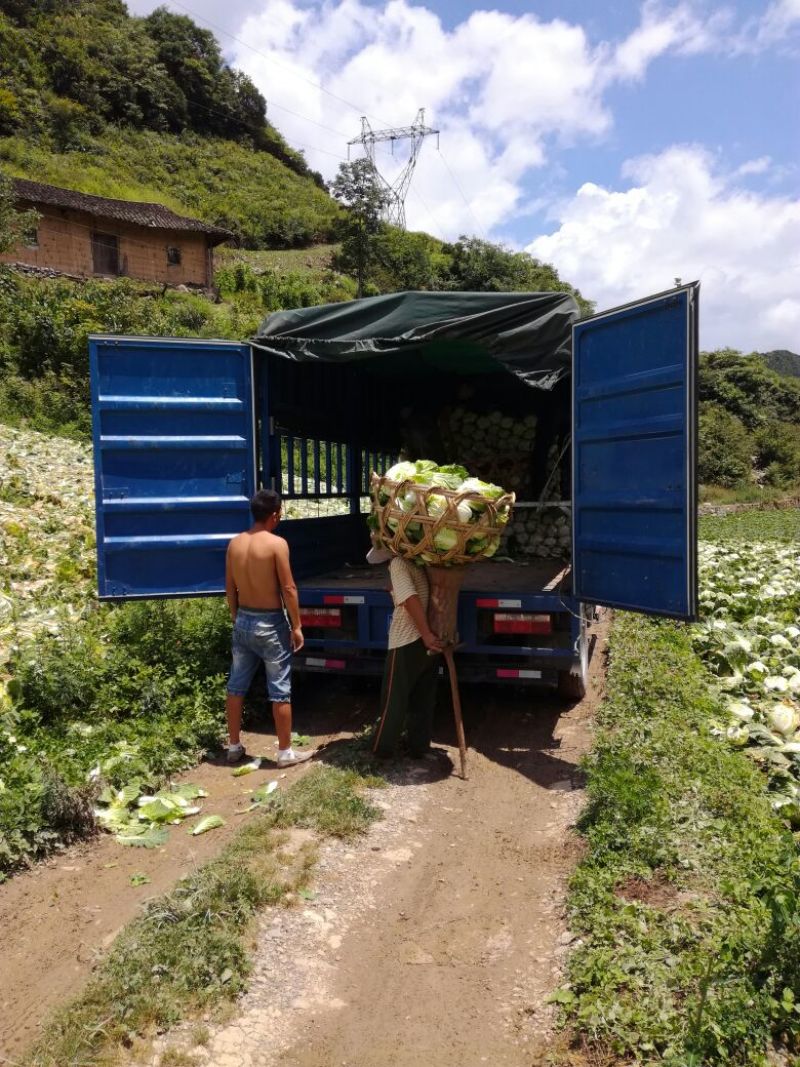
408	698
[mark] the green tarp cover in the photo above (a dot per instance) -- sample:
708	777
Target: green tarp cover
528	333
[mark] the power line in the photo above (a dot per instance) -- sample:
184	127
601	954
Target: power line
230	116
463	196
328	92
305	118
430	214
271	59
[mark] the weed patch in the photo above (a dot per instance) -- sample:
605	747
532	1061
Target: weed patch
328	799
188	951
686	903
132	693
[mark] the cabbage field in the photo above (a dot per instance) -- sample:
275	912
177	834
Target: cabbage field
135	691
139	688
750	640
47	547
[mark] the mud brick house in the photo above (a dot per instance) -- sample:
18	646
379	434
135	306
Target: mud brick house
85	236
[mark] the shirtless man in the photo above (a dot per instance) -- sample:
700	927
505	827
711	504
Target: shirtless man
258	587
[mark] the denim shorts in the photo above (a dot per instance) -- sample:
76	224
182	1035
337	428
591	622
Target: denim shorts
261	637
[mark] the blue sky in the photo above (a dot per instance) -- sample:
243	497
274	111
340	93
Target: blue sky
626	143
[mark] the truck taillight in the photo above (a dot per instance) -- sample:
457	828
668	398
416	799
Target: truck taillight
331	617
521	623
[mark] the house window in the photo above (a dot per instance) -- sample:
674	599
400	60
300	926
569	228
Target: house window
105	253
30	238
173	256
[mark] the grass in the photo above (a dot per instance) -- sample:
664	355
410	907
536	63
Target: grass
188	952
251	193
314	260
687	903
747	494
769	525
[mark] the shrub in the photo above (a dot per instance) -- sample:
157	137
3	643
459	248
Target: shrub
136	691
778	452
726	448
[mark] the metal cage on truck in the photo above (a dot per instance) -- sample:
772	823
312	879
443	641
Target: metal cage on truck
185	431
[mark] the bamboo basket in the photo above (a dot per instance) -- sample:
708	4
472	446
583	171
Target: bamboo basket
406	529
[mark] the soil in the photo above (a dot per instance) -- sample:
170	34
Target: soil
60	917
438	937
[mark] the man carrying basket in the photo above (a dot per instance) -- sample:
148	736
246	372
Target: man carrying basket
430	520
408	694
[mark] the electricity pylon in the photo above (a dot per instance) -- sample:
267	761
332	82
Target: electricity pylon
395	211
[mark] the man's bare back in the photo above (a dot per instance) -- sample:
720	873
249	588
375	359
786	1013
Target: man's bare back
254	558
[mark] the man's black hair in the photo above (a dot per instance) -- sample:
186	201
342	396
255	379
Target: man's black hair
264	503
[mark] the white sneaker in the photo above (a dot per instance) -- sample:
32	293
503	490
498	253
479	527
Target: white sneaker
289	758
235	753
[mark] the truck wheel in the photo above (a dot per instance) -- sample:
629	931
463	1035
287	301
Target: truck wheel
572	684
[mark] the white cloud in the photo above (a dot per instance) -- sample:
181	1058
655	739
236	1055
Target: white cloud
662	30
505	90
682	217
755	166
774	27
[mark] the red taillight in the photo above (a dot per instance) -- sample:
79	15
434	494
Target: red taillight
320	617
519	623
329	664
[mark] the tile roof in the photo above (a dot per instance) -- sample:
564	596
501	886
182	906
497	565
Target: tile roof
153	216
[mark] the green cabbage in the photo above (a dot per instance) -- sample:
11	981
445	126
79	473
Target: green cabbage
449	477
445	539
401	472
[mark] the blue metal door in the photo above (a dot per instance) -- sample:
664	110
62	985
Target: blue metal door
634	456
174	461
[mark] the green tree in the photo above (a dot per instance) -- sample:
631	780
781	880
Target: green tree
748	389
405	260
476	265
726	448
14	225
778	453
359	189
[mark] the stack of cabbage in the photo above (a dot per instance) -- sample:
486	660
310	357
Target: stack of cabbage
437	515
543	532
497	444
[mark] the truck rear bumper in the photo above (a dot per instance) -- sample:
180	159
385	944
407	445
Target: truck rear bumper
471	669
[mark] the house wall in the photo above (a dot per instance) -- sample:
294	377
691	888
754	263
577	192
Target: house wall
64	243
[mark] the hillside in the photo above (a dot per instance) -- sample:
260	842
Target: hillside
145	108
749	423
782	362
253	194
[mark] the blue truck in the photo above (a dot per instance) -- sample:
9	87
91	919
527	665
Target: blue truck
185	430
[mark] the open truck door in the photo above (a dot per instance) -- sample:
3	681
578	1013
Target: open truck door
174	447
634	456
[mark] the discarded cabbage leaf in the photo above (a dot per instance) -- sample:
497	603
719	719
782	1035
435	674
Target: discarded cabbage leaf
210	822
247	768
148	837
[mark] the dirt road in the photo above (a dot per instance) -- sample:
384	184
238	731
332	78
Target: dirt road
60	917
438	938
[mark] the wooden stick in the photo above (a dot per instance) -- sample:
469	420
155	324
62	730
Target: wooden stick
462	743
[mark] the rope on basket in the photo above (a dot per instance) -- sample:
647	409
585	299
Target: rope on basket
406	528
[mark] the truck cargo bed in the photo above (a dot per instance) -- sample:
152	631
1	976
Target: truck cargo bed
539	575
